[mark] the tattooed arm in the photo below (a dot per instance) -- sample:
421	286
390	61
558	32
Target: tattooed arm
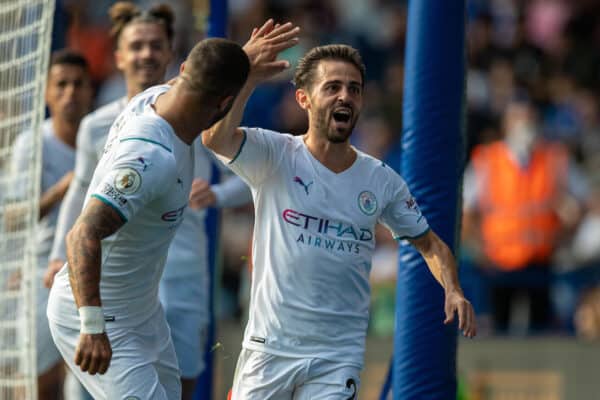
84	253
96	222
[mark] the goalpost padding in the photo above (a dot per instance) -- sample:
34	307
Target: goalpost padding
424	365
25	30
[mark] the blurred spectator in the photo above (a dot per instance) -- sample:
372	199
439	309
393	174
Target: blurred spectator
546	20
481	47
392	94
588	109
586	241
560	119
89	35
522	196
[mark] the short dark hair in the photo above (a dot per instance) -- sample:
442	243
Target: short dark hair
68	57
305	71
217	67
124	13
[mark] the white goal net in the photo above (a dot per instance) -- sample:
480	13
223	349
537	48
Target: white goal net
25	31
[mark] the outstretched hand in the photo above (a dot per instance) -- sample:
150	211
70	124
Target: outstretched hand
457	303
264	46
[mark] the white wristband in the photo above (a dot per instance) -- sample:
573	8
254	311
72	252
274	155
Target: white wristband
92	320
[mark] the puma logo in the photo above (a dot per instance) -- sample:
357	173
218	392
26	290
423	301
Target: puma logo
299	180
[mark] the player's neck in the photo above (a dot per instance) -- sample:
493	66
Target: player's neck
172	107
336	157
65	131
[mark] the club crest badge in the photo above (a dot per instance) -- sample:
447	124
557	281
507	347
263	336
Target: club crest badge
127	181
367	202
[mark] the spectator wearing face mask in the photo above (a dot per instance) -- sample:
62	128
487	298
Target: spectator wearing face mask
522	198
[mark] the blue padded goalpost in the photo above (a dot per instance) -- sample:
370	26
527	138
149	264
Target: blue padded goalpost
433	152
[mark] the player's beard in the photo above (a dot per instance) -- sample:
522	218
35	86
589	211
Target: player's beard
73	112
326	123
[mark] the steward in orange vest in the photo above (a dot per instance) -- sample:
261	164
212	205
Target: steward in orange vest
517	204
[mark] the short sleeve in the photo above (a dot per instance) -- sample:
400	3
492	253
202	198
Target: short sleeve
22	157
86	158
259	155
402	215
139	173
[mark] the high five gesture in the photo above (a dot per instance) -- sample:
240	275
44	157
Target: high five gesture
264	46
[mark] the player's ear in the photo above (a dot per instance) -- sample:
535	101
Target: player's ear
119	59
182	67
302	99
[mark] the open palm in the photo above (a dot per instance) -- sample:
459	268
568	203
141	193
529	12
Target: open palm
264	46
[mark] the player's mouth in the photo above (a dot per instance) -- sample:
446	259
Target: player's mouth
71	107
147	68
342	116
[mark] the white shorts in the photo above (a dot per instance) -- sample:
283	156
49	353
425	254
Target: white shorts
264	376
47	354
143	364
186	308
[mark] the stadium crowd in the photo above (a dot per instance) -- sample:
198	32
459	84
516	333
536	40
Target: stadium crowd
541	54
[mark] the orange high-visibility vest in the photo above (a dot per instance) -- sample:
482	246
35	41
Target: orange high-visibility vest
519	223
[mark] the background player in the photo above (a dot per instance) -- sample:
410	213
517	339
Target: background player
317	200
144	41
68	97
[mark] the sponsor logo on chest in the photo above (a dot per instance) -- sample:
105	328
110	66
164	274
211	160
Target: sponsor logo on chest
174	215
328	234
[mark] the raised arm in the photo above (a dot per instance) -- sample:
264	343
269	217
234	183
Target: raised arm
97	221
265	44
442	264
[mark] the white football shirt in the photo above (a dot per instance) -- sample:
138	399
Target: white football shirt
58	158
314	237
145	175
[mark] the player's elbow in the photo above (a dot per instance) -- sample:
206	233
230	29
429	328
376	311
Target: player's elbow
71	237
424	244
81	232
431	245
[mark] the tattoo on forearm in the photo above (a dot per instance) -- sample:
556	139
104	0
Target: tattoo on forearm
84	251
